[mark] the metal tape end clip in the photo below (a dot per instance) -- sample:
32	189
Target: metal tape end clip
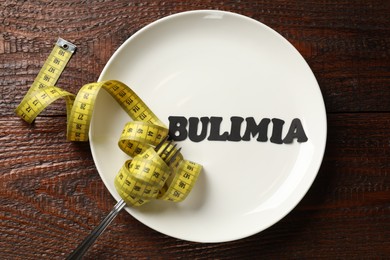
68	46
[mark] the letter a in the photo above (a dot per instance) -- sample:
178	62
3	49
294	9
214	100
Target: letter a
295	131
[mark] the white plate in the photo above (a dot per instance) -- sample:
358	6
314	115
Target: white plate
214	63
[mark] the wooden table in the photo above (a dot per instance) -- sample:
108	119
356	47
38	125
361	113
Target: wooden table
52	195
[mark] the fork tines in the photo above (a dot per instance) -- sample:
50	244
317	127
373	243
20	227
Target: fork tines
169	151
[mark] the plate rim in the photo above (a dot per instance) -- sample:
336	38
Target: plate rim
280	37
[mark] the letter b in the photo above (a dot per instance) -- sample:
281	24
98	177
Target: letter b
177	128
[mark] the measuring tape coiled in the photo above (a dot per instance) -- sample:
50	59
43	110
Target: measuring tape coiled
144	177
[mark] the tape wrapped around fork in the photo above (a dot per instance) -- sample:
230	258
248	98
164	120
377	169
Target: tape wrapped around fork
137	181
148	177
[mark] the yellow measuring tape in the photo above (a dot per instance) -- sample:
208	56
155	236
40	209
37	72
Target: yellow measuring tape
144	177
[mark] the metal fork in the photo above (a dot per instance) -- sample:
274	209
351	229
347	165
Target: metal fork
78	253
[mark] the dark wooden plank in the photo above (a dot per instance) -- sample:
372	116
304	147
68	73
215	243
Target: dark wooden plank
51	196
347	45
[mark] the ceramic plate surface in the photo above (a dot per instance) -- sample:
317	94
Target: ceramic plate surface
218	64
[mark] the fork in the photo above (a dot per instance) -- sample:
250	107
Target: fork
168	156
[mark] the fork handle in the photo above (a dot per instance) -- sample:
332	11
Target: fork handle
91	238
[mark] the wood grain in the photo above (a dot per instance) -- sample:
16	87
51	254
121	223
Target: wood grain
51	199
51	195
346	45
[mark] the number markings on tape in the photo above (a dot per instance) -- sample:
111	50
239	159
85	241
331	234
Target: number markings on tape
35	101
141	179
